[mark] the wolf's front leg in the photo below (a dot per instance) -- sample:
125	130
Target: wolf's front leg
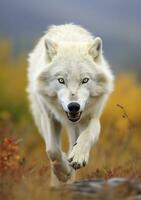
50	129
58	159
80	153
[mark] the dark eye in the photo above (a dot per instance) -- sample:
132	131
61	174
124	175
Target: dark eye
85	80
61	80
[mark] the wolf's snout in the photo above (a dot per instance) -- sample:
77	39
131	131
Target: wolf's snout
74	113
73	107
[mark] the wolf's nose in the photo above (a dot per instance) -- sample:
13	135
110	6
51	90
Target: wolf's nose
73	107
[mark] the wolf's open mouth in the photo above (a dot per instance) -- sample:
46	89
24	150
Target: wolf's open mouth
74	117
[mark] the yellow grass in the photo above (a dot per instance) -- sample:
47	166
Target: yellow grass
116	154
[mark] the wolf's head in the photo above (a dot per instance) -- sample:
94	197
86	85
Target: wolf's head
75	74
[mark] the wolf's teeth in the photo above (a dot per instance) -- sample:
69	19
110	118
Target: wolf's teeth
74	117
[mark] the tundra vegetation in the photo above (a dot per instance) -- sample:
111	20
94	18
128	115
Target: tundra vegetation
24	166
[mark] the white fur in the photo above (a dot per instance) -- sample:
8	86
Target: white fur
72	53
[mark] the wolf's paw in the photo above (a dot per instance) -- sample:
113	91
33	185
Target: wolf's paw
62	169
79	155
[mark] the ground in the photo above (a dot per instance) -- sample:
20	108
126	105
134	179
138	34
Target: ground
24	166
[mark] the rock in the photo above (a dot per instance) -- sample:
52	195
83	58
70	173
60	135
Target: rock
113	188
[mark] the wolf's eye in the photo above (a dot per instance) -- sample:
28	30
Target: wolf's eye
85	80
61	80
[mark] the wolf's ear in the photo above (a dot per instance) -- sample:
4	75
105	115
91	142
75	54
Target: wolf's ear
95	49
51	48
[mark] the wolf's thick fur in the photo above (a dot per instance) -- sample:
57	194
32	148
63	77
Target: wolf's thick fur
69	84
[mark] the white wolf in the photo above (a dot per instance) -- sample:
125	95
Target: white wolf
69	84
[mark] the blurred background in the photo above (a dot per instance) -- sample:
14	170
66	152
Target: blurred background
116	21
117	153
